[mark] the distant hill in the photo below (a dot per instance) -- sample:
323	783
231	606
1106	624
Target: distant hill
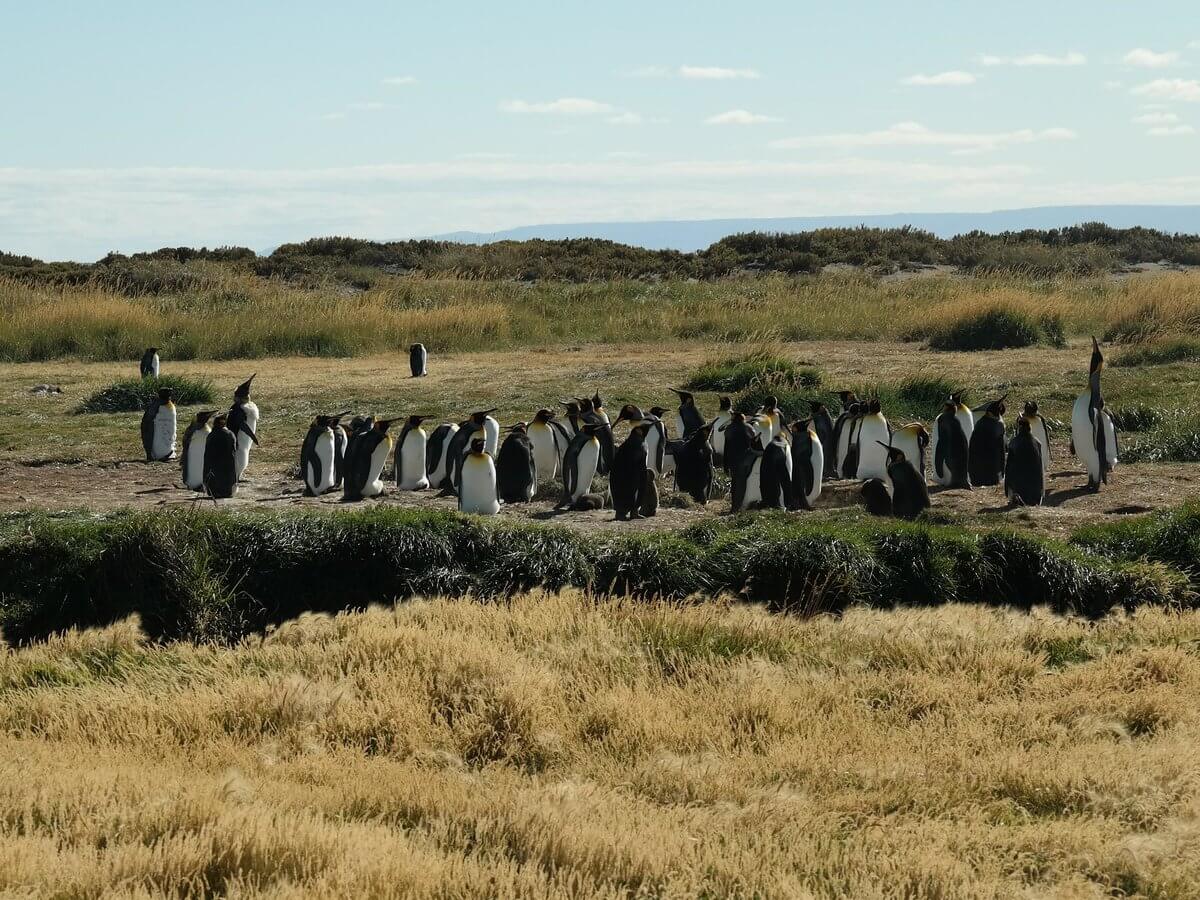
690	236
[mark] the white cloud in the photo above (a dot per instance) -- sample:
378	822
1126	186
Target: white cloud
1170	89
715	73
367	106
399	80
1149	59
913	134
564	106
1156	118
1071	58
1171	130
624	118
740	117
955	78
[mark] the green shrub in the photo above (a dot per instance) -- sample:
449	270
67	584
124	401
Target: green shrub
1175	440
740	372
1182	350
998	328
1138	417
132	394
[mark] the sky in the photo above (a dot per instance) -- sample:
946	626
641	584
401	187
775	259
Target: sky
132	125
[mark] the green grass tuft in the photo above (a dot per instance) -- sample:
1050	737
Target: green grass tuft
737	373
1182	350
998	328
132	394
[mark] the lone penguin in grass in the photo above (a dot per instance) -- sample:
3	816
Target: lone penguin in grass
1024	471
627	482
1092	429
952	443
243	422
986	448
418	360
317	458
159	423
910	494
410	456
1039	429
192	457
150	363
368	454
516	471
220	481
477	489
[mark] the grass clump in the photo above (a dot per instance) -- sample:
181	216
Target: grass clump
1138	417
132	394
737	373
1172	440
998	328
1160	354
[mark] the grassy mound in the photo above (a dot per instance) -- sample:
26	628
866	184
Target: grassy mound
737	373
1182	350
919	397
204	576
998	328
132	394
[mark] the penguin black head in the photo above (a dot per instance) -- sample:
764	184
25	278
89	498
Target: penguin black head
895	454
597	402
996	407
477	445
243	390
726	404
382	425
657	411
1023	425
480	417
519	428
203	417
629	413
957	398
415	347
1031	408
585	404
165	395
1097	363
848	398
543	415
816	406
685	399
572	407
321	422
772	402
220	421
874	407
151	350
415	421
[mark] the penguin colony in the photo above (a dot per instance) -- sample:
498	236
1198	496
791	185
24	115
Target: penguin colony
771	464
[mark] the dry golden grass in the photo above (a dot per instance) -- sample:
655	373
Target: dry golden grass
231	315
553	747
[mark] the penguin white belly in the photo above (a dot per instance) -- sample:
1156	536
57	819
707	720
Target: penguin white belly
324	452
477	491
491	436
589	458
165	422
716	439
679	432
194	476
379	458
818	469
872	458
1083	436
753	486
241	455
438	475
154	366
967	420
942	478
1038	428
412	462
653	437
906	442
1110	439
545	451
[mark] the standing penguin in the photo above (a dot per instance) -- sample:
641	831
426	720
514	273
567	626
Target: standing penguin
694	465
1024	473
159	423
243	422
192	457
460	444
717	441
437	453
317	458
368	454
656	438
544	438
808	464
775	475
874	435
1092	429
516	471
627	482
598	408
417	360
1039	429
220	481
848	441
772	417
822	424
579	466
739	435
477	489
985	464
841	432
951	443
745	485
910	495
491	434
341	440
912	440
410	456
588	414
658	444
150	365
687	418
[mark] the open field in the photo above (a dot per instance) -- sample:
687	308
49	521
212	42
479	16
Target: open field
553	745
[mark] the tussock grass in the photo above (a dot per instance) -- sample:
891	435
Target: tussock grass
735	373
227	313
1160	354
555	746
998	328
132	394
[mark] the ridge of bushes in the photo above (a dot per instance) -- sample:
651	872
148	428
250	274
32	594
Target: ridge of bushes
209	576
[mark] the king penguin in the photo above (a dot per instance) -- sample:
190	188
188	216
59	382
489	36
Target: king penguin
986	448
150	364
822	424
1039	429
687	418
913	440
545	440
460	445
775	475
437	453
417	361
952	443
219	479
910	495
598	408
159	423
656	438
579	466
841	432
192	458
694	465
874	436
243	422
1025	473
477	490
1092	429
516	471
745	483
717	441
808	463
410	456
849	445
317	458
368	454
628	480
739	434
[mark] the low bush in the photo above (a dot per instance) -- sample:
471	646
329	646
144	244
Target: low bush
998	328
132	394
737	373
1183	350
1138	417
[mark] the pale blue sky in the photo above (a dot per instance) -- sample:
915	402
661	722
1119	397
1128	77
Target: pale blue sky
133	125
